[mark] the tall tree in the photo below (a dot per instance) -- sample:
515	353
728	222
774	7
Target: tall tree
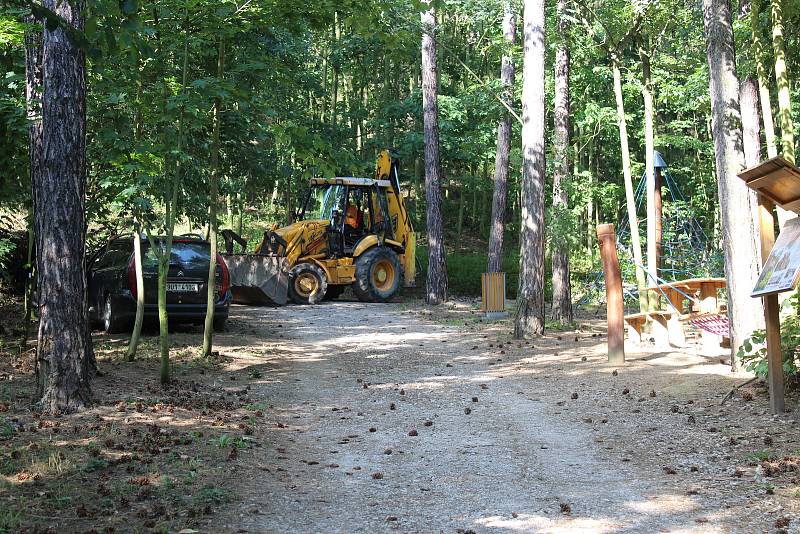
738	234
763	79
614	48
64	351
503	147
782	78
562	294
529	319
33	108
436	287
208	333
650	171
627	176
764	96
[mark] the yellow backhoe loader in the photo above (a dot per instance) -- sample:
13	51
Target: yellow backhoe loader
349	232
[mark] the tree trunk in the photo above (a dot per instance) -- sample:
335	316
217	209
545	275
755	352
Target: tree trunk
782	79
436	288
529	319
64	352
763	79
751	134
641	281
137	324
33	107
751	137
562	294
133	344
738	235
171	205
335	92
650	173
497	224
208	332
462	194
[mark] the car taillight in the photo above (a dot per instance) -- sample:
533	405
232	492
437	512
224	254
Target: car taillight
225	276
132	276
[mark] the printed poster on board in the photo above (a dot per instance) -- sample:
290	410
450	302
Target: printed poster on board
782	269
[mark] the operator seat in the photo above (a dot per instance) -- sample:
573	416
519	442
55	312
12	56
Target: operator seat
353	225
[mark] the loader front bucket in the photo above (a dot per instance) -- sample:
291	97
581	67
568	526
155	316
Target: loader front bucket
258	279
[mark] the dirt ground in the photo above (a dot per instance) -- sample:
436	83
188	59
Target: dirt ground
347	417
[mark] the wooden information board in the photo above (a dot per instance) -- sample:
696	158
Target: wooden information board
781	271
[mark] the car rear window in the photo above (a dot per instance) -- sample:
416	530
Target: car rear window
186	254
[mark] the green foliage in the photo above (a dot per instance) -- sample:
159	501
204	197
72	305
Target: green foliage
753	352
211	495
464	272
223	441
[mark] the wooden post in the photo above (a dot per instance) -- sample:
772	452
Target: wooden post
615	310
766	222
659	209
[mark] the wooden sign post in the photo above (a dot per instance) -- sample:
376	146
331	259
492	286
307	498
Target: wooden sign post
777	182
615	310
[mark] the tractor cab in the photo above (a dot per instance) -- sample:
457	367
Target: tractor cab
353	209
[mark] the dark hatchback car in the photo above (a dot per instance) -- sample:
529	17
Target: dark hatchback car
112	283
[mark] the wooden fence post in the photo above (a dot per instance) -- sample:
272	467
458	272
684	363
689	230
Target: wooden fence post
615	309
766	222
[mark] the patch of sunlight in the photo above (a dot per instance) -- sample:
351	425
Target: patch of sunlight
385	338
662	504
529	523
415	385
710	368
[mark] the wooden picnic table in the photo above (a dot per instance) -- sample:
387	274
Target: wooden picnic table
707	287
708	303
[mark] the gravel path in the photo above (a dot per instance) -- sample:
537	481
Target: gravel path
383	420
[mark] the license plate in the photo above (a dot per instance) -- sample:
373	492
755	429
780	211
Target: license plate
175	287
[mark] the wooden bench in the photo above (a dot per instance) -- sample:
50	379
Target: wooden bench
666	329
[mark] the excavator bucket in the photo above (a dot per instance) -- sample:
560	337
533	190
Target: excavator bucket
258	279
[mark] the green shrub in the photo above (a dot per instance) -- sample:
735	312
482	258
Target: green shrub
755	359
464	272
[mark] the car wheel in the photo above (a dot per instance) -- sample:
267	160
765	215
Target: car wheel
307	284
219	323
111	321
377	275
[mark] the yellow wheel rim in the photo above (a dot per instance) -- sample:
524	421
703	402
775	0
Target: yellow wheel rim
305	284
383	275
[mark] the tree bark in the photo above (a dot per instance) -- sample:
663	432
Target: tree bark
751	138
64	352
436	287
529	319
208	332
503	147
562	294
137	324
782	79
751	131
738	234
763	79
33	108
630	199
650	172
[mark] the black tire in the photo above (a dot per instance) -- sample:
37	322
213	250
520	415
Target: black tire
307	284
334	292
219	323
110	320
377	275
